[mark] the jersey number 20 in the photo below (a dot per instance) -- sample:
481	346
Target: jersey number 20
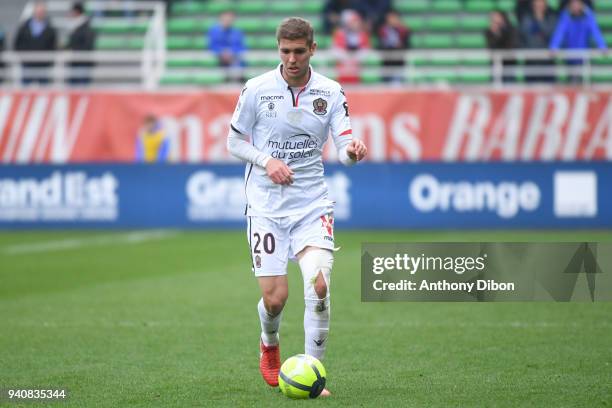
268	243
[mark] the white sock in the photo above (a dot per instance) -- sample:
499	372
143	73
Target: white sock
316	326
269	325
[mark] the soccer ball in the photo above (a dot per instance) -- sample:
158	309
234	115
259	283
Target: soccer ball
302	376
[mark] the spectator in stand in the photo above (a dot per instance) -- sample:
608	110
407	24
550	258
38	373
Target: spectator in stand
348	40
501	35
82	38
332	11
576	28
152	144
536	30
376	14
227	43
393	35
36	34
522	8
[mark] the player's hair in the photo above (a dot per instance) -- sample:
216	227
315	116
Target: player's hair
295	28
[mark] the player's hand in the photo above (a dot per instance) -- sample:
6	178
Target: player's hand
279	172
356	150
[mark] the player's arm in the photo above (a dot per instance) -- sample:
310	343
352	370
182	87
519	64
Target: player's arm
239	146
350	150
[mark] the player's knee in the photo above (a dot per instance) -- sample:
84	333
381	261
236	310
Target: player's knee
275	302
316	267
320	286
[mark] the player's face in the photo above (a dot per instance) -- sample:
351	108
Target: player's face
295	55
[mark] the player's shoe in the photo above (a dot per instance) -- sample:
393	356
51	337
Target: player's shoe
325	393
269	363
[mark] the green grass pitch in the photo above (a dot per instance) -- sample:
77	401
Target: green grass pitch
169	319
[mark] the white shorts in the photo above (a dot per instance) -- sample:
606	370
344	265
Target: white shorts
274	241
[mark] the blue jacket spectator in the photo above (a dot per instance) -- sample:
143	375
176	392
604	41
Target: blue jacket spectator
577	26
227	42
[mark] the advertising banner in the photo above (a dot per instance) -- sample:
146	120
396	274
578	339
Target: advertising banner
397	125
443	196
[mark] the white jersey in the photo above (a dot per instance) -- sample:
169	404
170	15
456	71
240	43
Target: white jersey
291	125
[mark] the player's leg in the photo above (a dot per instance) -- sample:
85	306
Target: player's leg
269	252
312	240
274	292
316	265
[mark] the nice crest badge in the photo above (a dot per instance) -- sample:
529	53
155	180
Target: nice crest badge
320	106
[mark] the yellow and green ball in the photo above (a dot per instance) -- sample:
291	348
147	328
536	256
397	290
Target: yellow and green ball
302	376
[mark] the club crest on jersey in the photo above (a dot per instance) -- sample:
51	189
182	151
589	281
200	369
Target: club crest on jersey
320	106
271	106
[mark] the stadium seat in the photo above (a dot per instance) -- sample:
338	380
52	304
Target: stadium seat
476	61
119	43
183	25
414	23
209	78
437	41
604	5
474	23
261	61
251	7
444	61
248	24
218	7
285	8
605	22
372	60
605	77
475	77
200	42
324	41
442	23
446	6
313	6
471	41
506	5
189	7
370	78
480	6
602	60
266	42
119	27
412	6
180	62
178	43
441	76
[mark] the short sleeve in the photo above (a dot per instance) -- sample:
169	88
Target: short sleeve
244	115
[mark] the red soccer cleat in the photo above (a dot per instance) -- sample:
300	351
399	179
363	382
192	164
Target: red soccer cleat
269	363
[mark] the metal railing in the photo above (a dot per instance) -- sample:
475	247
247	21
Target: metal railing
147	68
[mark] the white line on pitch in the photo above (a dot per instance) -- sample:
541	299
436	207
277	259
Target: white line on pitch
128	238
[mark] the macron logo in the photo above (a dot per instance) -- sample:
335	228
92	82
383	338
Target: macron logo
575	194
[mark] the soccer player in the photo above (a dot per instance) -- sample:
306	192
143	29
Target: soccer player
288	113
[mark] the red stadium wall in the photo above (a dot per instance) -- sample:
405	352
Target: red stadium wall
99	126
